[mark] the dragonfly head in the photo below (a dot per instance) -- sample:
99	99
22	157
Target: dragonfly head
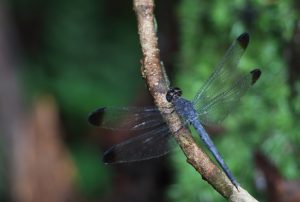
173	93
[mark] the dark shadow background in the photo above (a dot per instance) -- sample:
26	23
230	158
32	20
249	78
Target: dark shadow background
59	60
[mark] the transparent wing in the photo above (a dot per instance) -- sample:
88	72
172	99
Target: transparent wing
152	144
219	106
224	77
126	118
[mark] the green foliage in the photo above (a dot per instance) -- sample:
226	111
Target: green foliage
86	60
92	176
263	120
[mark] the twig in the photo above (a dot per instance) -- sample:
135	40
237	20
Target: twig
157	84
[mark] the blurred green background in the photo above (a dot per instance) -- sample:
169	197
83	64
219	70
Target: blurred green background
86	54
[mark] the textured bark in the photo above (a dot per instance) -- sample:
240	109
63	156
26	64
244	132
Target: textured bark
153	73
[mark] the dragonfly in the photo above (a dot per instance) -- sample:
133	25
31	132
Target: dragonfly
220	94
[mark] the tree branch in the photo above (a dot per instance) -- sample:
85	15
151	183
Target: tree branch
152	72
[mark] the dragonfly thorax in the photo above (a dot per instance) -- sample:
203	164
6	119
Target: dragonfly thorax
173	93
185	108
182	106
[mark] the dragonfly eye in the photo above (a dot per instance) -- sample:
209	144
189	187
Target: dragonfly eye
172	93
